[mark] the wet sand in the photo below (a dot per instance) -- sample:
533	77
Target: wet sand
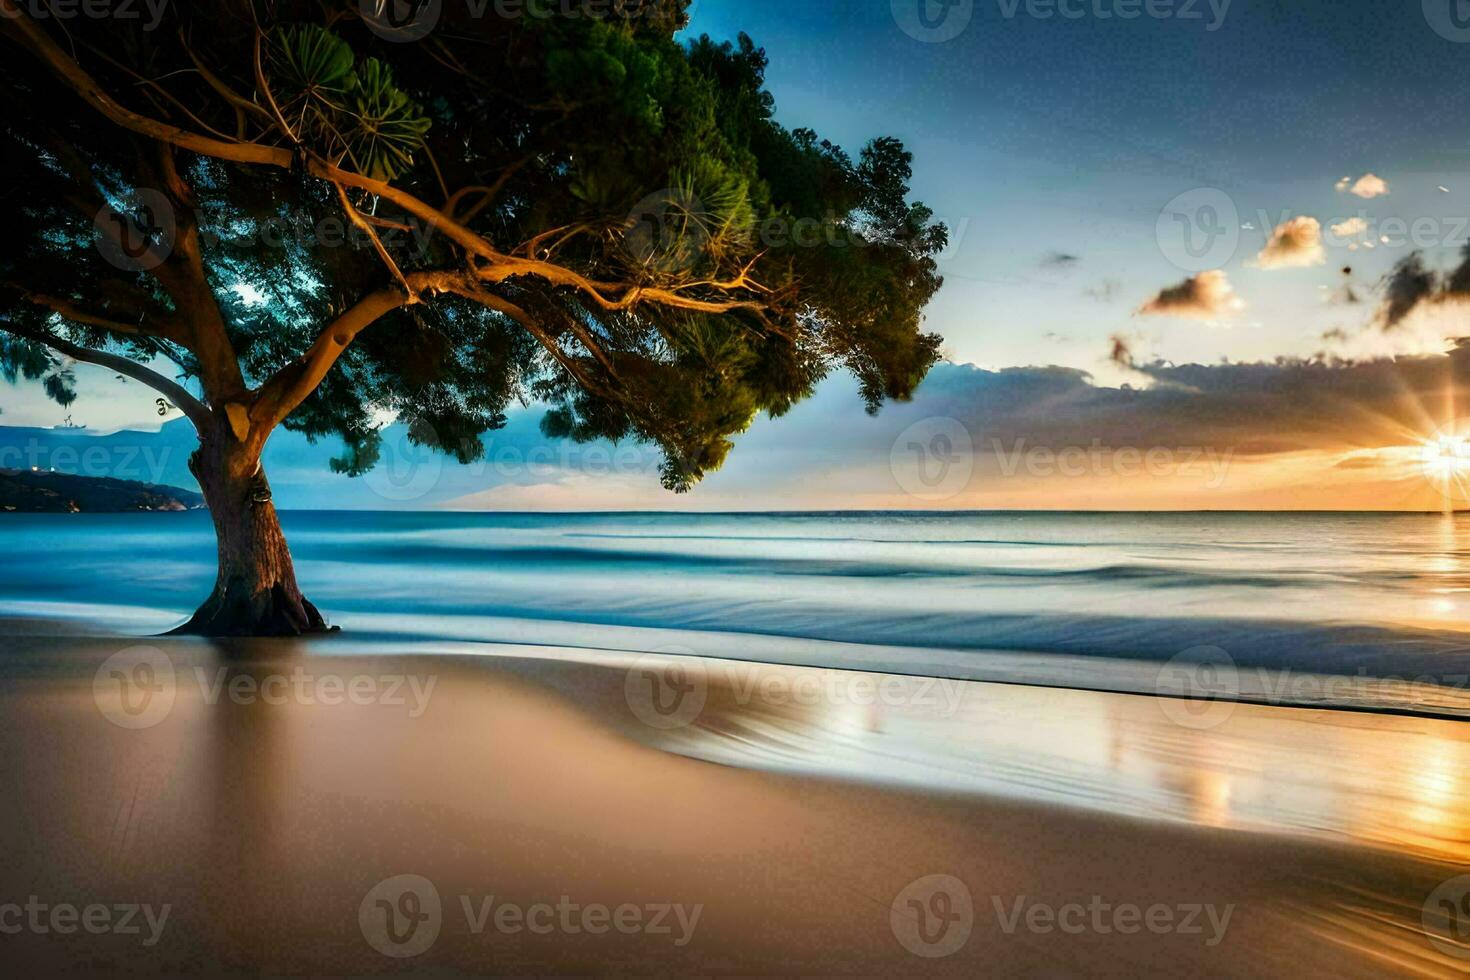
584	811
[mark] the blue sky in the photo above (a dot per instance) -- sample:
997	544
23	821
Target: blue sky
1036	136
1052	145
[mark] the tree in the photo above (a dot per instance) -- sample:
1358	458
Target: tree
319	214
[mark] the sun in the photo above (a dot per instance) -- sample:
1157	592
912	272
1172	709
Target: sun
1446	457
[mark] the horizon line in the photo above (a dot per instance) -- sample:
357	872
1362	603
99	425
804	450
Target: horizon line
853	511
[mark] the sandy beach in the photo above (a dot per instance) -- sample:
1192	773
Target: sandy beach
553	818
735	488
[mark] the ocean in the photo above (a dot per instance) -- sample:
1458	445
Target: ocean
1354	610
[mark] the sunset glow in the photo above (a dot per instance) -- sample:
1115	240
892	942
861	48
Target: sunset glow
1446	457
914	487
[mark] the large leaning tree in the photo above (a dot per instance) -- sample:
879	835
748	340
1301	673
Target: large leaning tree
319	214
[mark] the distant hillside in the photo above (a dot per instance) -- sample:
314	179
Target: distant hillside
60	493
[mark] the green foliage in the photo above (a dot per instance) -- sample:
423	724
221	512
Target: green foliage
349	111
624	155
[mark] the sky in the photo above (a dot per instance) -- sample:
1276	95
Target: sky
1151	204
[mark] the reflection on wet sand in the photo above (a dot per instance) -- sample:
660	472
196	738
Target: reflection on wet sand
1388	781
536	774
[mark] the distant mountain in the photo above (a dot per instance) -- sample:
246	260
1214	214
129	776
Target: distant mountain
518	459
37	491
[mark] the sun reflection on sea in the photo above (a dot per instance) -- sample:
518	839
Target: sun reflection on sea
1387	781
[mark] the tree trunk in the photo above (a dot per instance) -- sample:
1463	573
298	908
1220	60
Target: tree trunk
256	592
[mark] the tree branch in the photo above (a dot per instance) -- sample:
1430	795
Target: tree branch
73	74
240	104
357	219
194	409
71	311
529	324
487	194
291	385
608	295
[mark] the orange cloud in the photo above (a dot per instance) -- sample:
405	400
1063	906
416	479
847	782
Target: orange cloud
1207	296
1351	228
1294	244
1367	186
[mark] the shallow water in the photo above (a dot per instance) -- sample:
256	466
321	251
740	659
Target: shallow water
536	769
1086	600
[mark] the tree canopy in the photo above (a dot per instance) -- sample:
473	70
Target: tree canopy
312	216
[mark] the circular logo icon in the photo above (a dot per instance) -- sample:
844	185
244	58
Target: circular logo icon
138	235
409	464
932	21
1198	687
135	688
401	916
933	459
1199	230
1446	917
666	693
1450	19
667	231
933	916
401	20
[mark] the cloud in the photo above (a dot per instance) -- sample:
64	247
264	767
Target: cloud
1122	351
1059	260
1254	409
1259	435
1351	228
1407	286
1423	311
1283	425
1367	186
1207	296
1294	244
1433	326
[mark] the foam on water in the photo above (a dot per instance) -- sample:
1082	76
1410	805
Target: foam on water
1062	599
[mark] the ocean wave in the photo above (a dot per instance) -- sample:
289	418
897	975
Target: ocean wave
1358	598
